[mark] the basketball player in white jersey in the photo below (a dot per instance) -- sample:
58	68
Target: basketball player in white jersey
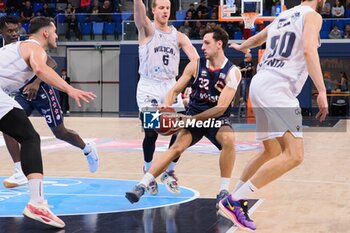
42	97
292	40
159	54
20	61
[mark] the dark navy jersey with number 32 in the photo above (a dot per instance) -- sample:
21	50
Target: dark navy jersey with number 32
207	86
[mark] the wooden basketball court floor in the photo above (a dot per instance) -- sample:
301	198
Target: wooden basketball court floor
315	197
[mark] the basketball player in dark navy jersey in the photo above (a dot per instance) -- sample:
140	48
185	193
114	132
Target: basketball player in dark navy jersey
207	87
214	84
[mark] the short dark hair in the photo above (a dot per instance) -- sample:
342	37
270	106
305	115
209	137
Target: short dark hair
8	19
39	22
218	34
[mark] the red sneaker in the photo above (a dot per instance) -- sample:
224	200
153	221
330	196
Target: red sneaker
42	213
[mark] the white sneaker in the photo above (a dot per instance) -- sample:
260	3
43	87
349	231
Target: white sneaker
152	188
92	158
170	181
42	213
17	179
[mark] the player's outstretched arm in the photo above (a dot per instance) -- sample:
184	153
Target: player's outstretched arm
187	47
142	22
36	57
312	27
226	96
189	72
32	88
252	42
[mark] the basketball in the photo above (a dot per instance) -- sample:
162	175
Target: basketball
167	122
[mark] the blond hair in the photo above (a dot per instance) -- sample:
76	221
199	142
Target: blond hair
154	3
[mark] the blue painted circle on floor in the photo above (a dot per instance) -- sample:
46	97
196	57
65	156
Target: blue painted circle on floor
79	196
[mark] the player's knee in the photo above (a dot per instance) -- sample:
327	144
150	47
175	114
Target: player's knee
31	160
30	136
177	150
295	158
228	141
298	158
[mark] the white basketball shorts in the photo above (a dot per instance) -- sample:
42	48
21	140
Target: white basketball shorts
275	107
151	93
7	103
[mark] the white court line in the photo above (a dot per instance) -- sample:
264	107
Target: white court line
232	229
195	175
188	175
110	195
341	121
195	196
256	206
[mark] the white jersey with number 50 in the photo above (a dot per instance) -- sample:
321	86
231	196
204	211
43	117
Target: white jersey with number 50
284	54
160	57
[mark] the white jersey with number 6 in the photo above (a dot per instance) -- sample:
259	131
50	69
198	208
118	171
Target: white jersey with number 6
160	57
159	66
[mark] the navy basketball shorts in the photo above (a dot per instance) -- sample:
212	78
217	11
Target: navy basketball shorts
46	103
210	133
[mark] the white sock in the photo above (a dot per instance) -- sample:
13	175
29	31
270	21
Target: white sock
171	167
36	191
147	179
224	183
18	166
245	191
238	185
87	149
147	165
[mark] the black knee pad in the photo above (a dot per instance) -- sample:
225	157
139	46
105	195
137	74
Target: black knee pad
150	134
17	125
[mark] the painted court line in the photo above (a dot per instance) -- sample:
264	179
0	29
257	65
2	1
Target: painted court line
199	175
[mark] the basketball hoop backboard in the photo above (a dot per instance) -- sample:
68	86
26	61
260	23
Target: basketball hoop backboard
231	10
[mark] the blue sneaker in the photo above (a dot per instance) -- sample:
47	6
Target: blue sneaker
92	158
232	210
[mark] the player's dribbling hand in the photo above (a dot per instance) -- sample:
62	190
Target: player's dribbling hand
31	90
323	106
78	95
238	47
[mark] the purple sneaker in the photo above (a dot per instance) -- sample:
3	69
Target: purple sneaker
233	211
